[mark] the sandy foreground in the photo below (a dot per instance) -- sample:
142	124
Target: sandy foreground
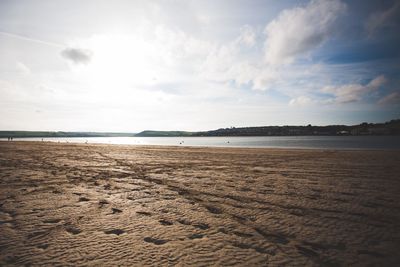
111	205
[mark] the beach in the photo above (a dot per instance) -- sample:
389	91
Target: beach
120	205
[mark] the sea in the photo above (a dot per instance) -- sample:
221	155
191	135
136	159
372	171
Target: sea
303	142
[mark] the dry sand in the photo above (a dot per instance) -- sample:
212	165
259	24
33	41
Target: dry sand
75	204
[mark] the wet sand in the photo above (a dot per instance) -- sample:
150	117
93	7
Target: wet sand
111	205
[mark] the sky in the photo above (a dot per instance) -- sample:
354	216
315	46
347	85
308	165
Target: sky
129	66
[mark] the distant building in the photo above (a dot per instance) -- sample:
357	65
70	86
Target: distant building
343	133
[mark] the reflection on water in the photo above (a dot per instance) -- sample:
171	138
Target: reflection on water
333	142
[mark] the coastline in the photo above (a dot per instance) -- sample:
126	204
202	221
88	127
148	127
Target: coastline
373	143
100	204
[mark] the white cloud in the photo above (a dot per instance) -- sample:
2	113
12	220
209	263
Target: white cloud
247	36
179	48
377	82
22	68
354	92
301	101
220	62
296	32
391	99
265	78
381	19
242	73
239	61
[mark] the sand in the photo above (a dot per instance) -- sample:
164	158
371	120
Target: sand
111	205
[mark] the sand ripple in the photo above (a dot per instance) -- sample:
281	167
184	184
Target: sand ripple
67	204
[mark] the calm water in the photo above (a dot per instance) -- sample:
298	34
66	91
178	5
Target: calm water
313	142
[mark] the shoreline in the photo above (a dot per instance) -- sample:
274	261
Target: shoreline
211	146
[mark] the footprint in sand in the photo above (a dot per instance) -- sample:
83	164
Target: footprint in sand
202	226
72	229
83	199
165	222
115	210
144	213
196	236
103	202
184	222
213	209
155	240
114	232
241	234
43	246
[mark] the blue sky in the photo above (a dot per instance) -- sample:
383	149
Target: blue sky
197	65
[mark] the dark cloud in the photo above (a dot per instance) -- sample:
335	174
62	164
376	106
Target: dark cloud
391	99
77	56
382	19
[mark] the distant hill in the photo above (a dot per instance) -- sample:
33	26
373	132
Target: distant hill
43	134
388	128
